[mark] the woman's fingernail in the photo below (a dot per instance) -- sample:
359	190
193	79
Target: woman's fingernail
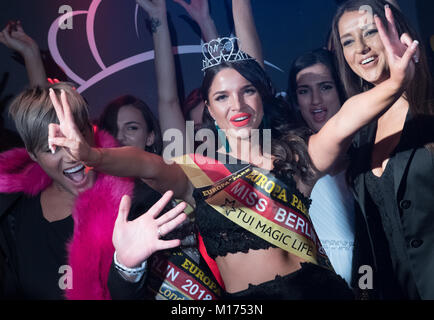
415	44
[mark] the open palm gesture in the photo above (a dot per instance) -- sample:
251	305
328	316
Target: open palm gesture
135	241
401	52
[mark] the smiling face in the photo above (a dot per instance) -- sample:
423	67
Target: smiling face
67	175
132	128
235	104
362	47
317	95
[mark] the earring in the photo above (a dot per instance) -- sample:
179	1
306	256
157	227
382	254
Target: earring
222	137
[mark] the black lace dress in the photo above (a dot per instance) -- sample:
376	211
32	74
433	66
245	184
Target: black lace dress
222	236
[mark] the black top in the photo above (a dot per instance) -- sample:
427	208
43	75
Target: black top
380	190
410	229
32	249
220	235
41	250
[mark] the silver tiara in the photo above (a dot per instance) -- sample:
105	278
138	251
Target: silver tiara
222	50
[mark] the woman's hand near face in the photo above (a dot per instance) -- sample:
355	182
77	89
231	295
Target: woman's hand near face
332	141
401	52
135	241
66	134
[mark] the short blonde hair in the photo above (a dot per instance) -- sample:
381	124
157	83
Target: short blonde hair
32	112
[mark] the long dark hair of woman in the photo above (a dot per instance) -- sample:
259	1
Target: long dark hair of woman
419	94
289	144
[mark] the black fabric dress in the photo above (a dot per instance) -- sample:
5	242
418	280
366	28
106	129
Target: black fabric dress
40	251
33	250
401	230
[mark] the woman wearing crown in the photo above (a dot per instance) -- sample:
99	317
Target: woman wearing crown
252	203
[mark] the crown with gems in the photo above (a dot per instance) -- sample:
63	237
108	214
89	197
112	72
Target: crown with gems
222	50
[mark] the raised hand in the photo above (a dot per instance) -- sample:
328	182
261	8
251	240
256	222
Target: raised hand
14	37
402	52
66	134
199	12
197	9
135	241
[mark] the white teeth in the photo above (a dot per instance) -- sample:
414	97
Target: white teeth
75	169
241	119
317	111
368	60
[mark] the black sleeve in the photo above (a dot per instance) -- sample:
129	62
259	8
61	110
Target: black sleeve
121	289
9	287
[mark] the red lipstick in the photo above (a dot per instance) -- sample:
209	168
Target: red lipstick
240	119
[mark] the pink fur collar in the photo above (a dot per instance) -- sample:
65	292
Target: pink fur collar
90	250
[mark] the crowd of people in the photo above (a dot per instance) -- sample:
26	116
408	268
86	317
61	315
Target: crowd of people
309	188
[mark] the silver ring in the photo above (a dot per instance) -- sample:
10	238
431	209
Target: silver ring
159	233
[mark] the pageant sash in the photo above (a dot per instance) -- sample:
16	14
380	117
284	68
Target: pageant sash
176	276
260	203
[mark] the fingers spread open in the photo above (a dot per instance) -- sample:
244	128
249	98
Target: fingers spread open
172	224
124	209
168	244
160	204
171	214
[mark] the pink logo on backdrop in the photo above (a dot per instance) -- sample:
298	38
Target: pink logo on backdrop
106	71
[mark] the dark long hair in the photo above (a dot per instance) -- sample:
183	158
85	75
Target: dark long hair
420	91
289	144
108	120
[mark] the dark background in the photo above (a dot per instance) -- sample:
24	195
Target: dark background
287	28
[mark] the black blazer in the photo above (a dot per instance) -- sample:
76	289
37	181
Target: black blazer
413	173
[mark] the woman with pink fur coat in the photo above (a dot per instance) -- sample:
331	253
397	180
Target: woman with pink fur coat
60	221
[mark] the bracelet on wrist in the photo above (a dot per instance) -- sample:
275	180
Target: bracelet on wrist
126	269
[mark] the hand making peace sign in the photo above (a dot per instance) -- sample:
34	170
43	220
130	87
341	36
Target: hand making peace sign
402	52
66	134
